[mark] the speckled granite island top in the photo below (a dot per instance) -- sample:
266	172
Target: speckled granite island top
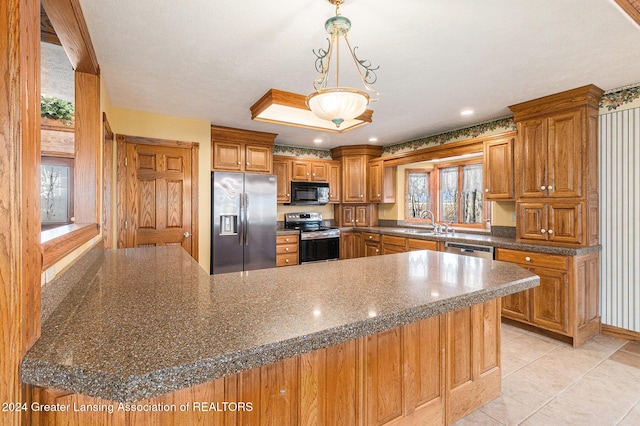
142	322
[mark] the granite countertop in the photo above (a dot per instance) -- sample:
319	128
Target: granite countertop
142	322
484	239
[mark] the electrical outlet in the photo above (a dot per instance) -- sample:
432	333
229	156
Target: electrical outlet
513	217
49	274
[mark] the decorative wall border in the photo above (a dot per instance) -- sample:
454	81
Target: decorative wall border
506	123
615	98
296	151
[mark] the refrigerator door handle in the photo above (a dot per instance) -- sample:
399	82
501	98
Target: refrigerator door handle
246	215
240	222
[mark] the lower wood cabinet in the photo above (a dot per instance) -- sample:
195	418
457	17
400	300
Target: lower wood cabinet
392	244
567	300
371	244
431	372
287	250
414	244
349	245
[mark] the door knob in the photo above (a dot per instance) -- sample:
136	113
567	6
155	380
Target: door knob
186	235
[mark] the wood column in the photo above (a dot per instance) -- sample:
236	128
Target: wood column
20	255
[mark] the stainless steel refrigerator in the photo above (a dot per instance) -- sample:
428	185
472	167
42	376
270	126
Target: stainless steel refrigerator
243	228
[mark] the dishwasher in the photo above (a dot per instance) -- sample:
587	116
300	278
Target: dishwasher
473	250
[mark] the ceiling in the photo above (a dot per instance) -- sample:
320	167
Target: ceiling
212	60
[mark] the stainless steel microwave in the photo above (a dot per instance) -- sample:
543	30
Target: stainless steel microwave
309	193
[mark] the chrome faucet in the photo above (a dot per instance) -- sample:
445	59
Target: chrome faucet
433	217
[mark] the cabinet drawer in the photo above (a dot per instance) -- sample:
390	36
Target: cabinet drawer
367	236
287	259
287	239
396	241
286	248
528	258
416	244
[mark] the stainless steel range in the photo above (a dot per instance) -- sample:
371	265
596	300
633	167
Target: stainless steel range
317	242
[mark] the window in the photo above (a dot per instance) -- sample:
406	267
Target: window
418	194
452	191
56	192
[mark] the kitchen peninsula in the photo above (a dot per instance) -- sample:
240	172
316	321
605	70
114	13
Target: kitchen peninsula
310	344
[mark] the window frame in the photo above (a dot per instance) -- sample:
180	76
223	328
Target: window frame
432	194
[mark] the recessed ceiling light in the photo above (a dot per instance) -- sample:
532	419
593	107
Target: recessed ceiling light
317	140
373	139
466	112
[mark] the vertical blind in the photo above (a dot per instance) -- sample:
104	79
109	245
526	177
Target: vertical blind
619	146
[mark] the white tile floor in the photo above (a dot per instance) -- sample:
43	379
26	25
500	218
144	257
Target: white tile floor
547	382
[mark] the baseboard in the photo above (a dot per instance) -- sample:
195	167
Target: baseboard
620	333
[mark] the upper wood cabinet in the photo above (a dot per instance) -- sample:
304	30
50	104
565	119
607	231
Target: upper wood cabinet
354	161
556	167
238	150
356	215
381	185
335	178
289	169
498	168
308	170
282	170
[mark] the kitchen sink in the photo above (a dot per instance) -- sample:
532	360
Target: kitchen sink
416	231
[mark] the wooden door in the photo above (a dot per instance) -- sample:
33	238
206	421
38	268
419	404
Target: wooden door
516	305
549	306
282	170
348	245
319	172
353	179
532	221
227	156
531	157
375	181
161	188
300	170
348	214
498	169
565	153
334	182
257	159
565	223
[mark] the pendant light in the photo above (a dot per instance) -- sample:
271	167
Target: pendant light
338	104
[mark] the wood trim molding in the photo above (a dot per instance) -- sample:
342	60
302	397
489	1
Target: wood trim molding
372	150
68	22
59	242
469	146
631	8
228	134
107	185
620	333
20	259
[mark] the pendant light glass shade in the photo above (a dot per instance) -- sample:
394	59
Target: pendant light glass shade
338	104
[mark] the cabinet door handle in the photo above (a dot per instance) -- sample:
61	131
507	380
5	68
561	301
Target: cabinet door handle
542	188
288	195
370	236
239	163
378	195
286	249
542	231
356	220
286	239
549	187
377	251
550	231
361	196
248	163
286	261
528	259
486	190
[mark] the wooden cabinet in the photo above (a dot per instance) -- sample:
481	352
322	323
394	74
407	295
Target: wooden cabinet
498	168
289	169
567	300
359	215
314	171
349	245
371	244
287	250
556	167
414	244
559	222
381	184
238	150
392	244
334	179
282	170
354	161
